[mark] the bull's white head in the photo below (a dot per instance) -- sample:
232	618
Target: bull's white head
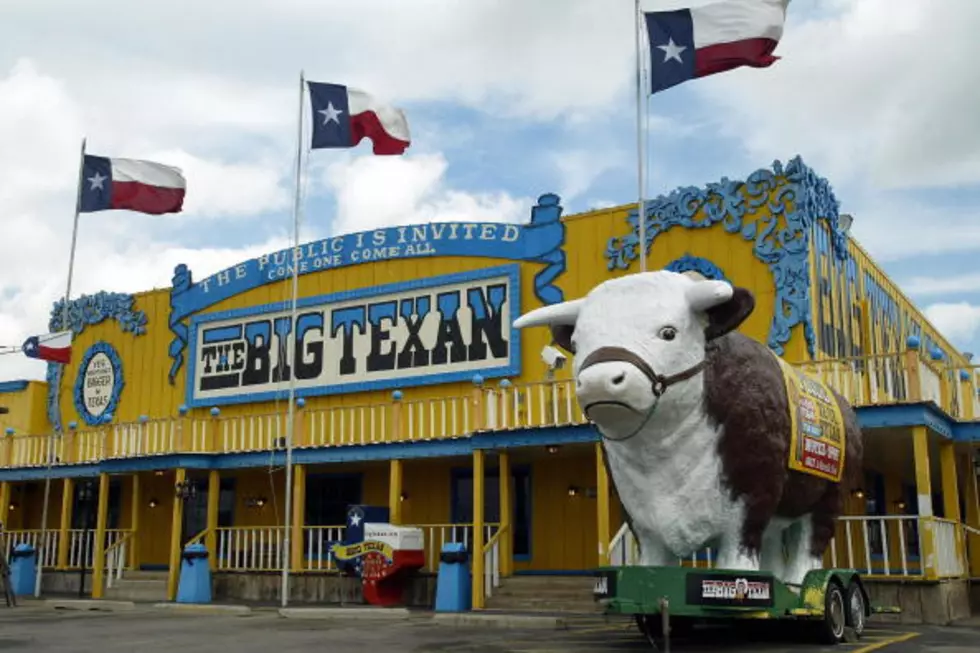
635	337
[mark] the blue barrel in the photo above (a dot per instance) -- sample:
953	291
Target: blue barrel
195	575
453	584
23	570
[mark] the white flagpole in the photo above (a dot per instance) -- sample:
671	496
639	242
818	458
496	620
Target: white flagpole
42	544
640	204
291	409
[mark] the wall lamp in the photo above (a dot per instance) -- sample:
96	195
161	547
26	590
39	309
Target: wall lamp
858	493
255	502
154	503
552	448
403	496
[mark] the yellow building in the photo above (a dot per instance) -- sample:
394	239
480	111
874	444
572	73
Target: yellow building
416	393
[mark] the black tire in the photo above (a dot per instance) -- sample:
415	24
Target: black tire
856	608
831	627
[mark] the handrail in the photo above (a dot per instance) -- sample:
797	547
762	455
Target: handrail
115	557
491	562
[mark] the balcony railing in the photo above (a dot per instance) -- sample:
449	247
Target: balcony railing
901	377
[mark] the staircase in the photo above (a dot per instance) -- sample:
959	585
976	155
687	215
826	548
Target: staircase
139	587
544	594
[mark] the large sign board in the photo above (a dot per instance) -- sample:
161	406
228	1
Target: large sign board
817	434
99	384
435	330
539	241
725	590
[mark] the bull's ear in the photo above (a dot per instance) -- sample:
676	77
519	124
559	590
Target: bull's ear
728	315
561	335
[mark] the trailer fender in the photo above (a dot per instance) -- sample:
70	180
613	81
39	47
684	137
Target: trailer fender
814	589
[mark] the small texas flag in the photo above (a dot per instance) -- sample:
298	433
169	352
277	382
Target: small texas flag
687	44
342	116
131	184
53	347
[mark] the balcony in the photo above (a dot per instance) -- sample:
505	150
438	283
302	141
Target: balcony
881	379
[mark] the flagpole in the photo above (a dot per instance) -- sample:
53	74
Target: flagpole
291	409
640	204
42	545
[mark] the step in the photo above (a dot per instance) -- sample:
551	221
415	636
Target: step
512	604
145	575
527	591
137	590
565	582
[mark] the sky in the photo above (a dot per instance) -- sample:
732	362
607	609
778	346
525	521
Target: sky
506	100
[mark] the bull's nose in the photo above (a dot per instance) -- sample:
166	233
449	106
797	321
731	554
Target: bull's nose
604	382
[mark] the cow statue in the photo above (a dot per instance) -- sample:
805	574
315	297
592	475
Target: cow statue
696	425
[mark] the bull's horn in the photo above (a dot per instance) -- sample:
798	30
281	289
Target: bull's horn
564	313
703	295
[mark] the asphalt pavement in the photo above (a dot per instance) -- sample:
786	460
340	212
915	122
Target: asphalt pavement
41	629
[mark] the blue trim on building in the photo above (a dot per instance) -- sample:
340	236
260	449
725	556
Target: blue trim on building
511	368
13	386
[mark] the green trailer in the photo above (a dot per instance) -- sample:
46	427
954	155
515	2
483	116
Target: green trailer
666	600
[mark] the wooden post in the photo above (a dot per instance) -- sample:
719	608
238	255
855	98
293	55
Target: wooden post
972	516
506	515
966	395
602	504
396	417
911	365
214	501
177	520
5	488
64	531
98	563
479	489
134	522
299	517
395	491
923	488
951	491
867	348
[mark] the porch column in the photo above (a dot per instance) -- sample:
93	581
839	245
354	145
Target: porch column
951	492
602	504
923	489
299	517
479	488
395	491
98	563
64	531
176	521
134	522
506	518
972	517
214	498
5	488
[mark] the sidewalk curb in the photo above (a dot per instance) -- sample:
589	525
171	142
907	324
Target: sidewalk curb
90	605
472	619
204	608
386	614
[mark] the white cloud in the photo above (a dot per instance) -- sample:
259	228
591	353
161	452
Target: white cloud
958	321
882	89
384	191
954	283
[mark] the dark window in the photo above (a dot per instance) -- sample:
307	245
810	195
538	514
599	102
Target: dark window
328	496
520	492
80	513
196	509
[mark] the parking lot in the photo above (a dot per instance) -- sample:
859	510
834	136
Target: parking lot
40	629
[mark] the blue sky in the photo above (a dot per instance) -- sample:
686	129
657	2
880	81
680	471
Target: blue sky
506	100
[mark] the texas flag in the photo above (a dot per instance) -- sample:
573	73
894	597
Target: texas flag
53	347
130	184
342	116
713	38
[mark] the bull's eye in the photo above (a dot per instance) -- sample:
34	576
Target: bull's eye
668	333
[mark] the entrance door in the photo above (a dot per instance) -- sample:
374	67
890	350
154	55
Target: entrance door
327	499
461	494
196	510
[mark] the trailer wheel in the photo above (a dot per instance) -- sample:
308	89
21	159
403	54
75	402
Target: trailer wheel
857	608
831	628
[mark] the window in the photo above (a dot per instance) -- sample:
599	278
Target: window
89	512
328	497
196	510
520	492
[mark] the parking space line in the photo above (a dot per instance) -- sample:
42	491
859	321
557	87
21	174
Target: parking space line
904	637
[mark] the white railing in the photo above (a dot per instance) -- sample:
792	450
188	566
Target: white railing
250	548
252	433
950	562
429	419
154	437
318	541
624	550
47	553
931	383
81	545
115	559
491	564
346	425
436	535
533	405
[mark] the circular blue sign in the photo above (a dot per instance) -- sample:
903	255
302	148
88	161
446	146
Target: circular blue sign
98	384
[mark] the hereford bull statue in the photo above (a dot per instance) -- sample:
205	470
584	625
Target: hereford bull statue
697	423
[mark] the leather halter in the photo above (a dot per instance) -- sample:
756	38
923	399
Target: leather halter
658	382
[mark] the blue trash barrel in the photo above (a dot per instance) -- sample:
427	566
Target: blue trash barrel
453	584
195	575
23	569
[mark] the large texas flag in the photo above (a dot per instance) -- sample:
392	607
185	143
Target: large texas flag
342	116
713	38
131	184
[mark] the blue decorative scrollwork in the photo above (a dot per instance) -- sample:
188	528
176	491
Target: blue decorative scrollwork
788	200
85	311
703	266
105	416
